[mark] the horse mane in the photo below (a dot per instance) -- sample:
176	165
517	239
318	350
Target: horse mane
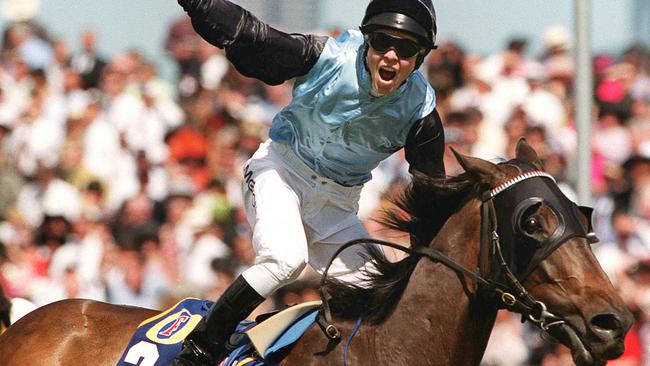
420	210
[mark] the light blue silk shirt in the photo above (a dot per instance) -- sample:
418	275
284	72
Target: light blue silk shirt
336	126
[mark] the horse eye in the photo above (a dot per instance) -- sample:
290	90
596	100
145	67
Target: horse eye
531	226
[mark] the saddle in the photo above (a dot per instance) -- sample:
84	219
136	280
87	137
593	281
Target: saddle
265	341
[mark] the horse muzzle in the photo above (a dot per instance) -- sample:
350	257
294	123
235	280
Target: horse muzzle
602	339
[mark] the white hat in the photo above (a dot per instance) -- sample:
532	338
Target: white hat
483	71
61	199
19	10
557	36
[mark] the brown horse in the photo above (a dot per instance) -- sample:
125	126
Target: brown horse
526	245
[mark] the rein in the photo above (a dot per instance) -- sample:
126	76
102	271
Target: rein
511	296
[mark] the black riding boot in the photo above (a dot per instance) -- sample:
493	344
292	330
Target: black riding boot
205	345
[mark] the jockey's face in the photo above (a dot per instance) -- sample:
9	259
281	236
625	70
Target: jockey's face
390	65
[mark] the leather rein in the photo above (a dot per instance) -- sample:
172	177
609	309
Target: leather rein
510	295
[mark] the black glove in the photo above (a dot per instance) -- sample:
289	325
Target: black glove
187	4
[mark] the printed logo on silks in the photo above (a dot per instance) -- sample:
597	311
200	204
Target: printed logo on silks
173	328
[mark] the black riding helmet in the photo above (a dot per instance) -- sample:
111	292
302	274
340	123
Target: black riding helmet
416	17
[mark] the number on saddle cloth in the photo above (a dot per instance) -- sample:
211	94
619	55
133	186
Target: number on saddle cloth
159	339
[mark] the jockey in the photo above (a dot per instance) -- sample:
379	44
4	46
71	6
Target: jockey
357	99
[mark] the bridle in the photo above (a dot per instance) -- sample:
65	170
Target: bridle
510	295
498	284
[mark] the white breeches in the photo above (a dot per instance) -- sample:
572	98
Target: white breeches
298	217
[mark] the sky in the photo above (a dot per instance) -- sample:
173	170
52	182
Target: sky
481	26
484	26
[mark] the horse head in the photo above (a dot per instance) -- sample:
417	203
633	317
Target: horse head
540	249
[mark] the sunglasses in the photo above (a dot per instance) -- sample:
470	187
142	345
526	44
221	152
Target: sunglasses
382	42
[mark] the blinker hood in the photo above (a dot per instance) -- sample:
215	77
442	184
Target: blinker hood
511	202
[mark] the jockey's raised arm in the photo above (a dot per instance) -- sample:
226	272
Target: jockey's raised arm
254	48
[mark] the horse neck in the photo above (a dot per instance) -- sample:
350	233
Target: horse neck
436	311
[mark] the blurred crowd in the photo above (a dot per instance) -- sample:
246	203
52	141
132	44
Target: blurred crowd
122	186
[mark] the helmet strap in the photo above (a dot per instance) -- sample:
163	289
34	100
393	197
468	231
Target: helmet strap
420	59
373	92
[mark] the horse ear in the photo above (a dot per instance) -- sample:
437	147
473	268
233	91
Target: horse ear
486	171
526	153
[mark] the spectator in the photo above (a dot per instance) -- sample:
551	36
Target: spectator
86	61
32	47
208	239
543	107
182	43
556	58
445	69
134	280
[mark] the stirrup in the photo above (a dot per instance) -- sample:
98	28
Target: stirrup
193	355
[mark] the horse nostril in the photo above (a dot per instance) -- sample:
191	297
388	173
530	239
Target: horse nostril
606	324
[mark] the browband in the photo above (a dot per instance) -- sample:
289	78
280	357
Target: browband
512	181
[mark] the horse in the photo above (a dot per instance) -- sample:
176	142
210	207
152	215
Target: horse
497	236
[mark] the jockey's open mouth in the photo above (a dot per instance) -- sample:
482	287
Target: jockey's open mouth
387	73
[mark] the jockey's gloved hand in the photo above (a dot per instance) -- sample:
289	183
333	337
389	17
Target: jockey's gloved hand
188	4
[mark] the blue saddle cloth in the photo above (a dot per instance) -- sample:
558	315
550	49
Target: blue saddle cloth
159	339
